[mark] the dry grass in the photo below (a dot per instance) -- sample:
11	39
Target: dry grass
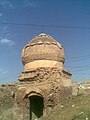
74	108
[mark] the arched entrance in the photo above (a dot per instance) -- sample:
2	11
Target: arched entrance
36	106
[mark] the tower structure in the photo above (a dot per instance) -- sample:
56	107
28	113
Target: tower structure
44	77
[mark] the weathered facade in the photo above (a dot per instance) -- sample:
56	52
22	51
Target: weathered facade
44	74
44	81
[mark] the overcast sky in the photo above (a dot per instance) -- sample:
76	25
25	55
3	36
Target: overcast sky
68	21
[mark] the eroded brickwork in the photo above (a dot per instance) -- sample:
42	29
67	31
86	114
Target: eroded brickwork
44	82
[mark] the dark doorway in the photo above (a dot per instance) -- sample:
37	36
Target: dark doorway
36	106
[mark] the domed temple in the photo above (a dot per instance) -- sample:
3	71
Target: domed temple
43	84
44	81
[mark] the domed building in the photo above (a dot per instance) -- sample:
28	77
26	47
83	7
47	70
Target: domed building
43	51
43	84
44	79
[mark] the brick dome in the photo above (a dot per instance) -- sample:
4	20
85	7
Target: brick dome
42	48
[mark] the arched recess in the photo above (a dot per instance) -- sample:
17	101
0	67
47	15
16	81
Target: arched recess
36	105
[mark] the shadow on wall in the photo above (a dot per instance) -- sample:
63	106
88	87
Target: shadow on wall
36	107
